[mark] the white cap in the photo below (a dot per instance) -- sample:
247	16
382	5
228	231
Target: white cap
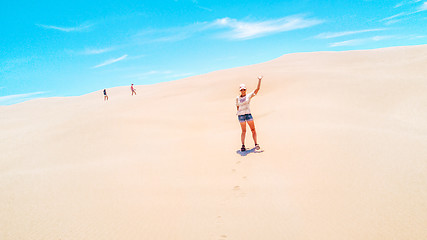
242	86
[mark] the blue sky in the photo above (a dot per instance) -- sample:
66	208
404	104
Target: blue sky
69	48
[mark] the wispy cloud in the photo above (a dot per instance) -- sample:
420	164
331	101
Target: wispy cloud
359	41
110	61
247	30
231	29
398	5
328	35
173	34
394	16
90	51
392	19
19	97
201	7
136	57
204	8
80	28
352	42
422	7
94	51
172	37
406	2
414	37
380	38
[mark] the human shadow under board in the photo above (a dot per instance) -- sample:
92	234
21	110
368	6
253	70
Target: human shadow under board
248	151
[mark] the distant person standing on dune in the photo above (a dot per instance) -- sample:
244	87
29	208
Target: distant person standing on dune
133	89
105	95
244	113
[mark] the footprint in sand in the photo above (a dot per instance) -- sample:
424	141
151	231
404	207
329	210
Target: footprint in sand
238	162
244	177
223	236
219	220
233	170
236	188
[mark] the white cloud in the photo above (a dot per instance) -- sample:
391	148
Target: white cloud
416	37
170	34
137	57
166	35
352	42
67	29
380	38
172	37
423	7
398	5
359	41
93	51
90	51
248	30
234	29
204	8
340	34
406	2
111	61
18	97
394	16
201	7
391	19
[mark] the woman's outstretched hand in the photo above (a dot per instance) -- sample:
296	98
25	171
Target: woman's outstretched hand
259	84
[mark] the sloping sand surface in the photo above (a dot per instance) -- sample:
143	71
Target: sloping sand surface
343	134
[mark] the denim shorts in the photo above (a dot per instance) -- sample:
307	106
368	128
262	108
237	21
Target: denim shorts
246	117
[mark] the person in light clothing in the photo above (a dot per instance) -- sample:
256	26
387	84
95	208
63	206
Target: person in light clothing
132	89
244	113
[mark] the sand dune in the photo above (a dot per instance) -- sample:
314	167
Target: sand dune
344	136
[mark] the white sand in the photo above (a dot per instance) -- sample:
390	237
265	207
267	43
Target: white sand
345	155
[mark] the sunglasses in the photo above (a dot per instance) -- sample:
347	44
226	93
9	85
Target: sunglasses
242	89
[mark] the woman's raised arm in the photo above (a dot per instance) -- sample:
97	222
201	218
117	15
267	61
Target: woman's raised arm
259	85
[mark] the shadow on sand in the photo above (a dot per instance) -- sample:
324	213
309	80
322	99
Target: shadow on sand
248	151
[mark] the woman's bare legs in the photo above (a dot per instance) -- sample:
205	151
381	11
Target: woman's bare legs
252	126
243	125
